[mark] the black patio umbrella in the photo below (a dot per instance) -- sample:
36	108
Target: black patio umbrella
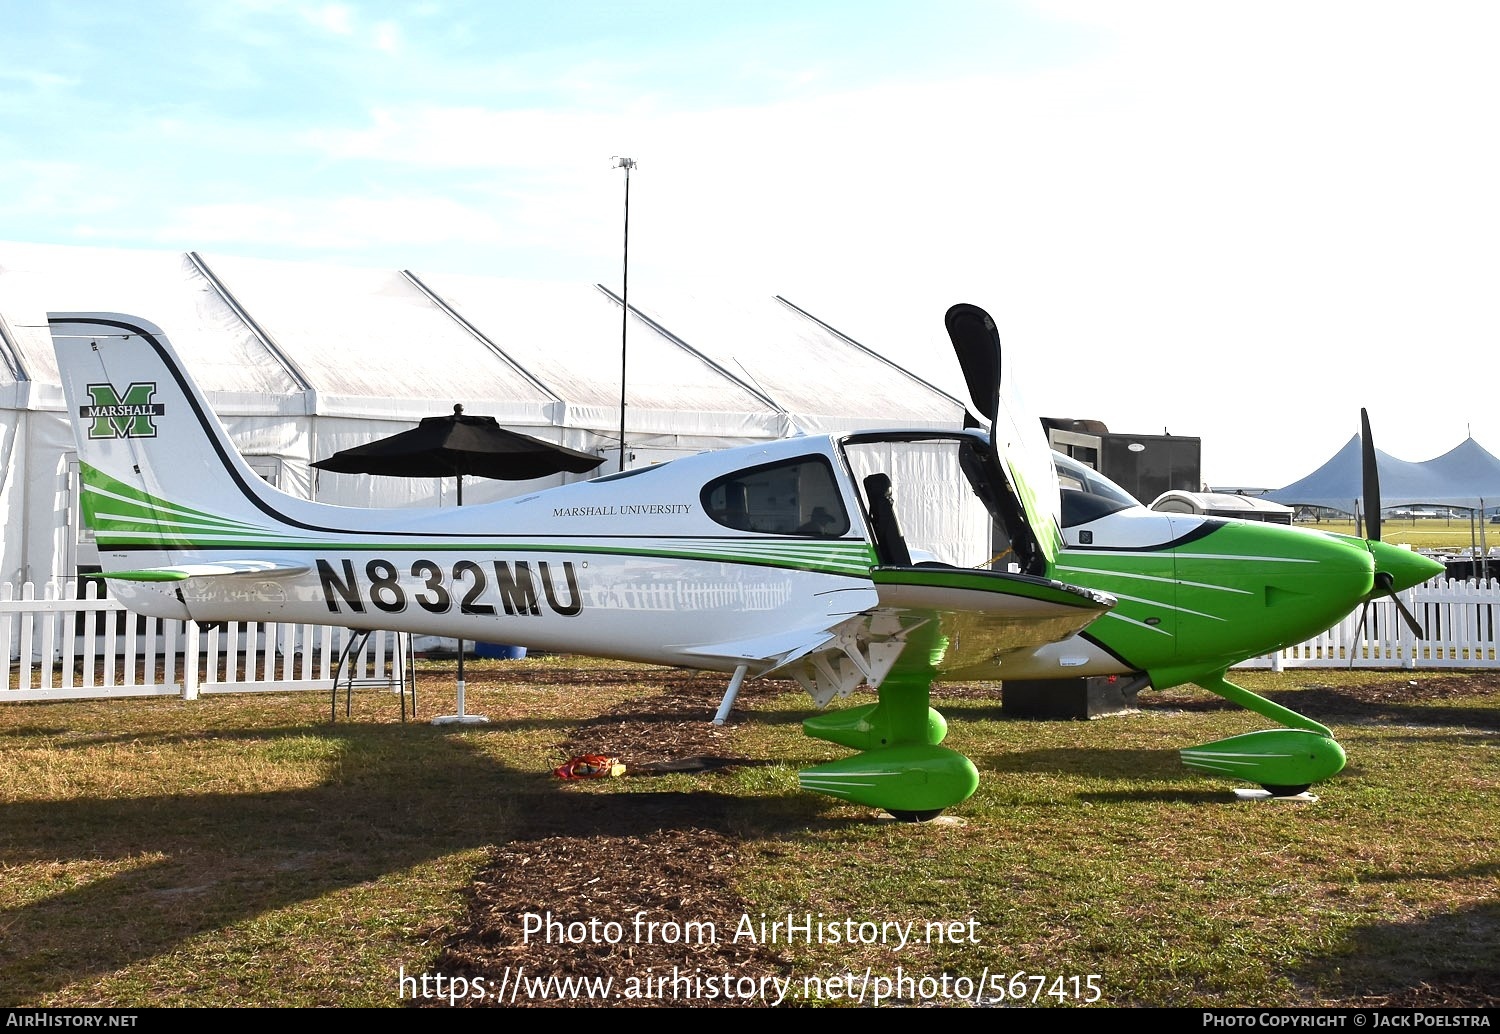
444	446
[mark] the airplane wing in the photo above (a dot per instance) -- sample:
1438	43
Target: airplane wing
983	615
816	629
976	617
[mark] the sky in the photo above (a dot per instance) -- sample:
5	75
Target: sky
1239	222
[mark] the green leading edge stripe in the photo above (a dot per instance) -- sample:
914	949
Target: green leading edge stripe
994	582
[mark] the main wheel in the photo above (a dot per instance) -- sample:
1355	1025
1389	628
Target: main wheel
1284	791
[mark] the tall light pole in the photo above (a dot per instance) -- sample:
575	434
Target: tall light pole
627	164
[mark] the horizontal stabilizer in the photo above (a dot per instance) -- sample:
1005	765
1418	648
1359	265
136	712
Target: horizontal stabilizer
221	569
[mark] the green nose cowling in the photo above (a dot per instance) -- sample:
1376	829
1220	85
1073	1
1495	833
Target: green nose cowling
1406	567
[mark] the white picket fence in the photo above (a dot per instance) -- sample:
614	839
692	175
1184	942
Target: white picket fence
62	647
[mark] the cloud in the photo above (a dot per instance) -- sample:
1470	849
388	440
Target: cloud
1177	197
387	37
335	18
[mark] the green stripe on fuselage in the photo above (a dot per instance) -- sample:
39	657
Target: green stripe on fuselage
125	518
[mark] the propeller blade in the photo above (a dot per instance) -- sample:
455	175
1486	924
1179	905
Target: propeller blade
1384	581
1371	471
1411	621
977	343
1359	631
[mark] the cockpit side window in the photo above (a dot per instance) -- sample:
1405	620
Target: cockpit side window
794	497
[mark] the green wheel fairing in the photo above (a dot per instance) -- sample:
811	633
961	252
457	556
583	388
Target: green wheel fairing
1280	760
916	779
1283	761
871	726
901	766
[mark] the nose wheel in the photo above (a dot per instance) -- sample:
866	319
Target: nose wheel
1284	791
915	816
1283	762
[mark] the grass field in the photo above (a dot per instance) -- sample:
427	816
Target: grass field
243	851
1423	533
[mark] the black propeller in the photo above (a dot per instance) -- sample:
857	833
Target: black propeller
1371	473
1384	581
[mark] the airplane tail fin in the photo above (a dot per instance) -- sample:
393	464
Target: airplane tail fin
161	481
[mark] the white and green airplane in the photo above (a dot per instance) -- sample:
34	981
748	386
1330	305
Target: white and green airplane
784	559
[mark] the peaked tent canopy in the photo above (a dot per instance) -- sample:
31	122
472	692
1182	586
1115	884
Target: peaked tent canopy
1467	475
1472	469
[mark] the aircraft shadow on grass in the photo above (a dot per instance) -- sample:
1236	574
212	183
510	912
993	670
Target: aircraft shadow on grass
220	859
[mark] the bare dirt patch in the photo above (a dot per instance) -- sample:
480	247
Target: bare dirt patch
680	877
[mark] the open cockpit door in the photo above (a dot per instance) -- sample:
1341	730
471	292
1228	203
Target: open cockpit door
1016	437
937	497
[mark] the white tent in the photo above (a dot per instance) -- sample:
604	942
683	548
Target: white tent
302	361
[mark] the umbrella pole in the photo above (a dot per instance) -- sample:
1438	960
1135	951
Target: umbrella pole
460	678
460	716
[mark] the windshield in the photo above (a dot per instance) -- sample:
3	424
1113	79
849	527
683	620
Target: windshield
1087	494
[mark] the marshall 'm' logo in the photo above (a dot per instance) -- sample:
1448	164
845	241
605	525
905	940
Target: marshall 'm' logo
129	416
